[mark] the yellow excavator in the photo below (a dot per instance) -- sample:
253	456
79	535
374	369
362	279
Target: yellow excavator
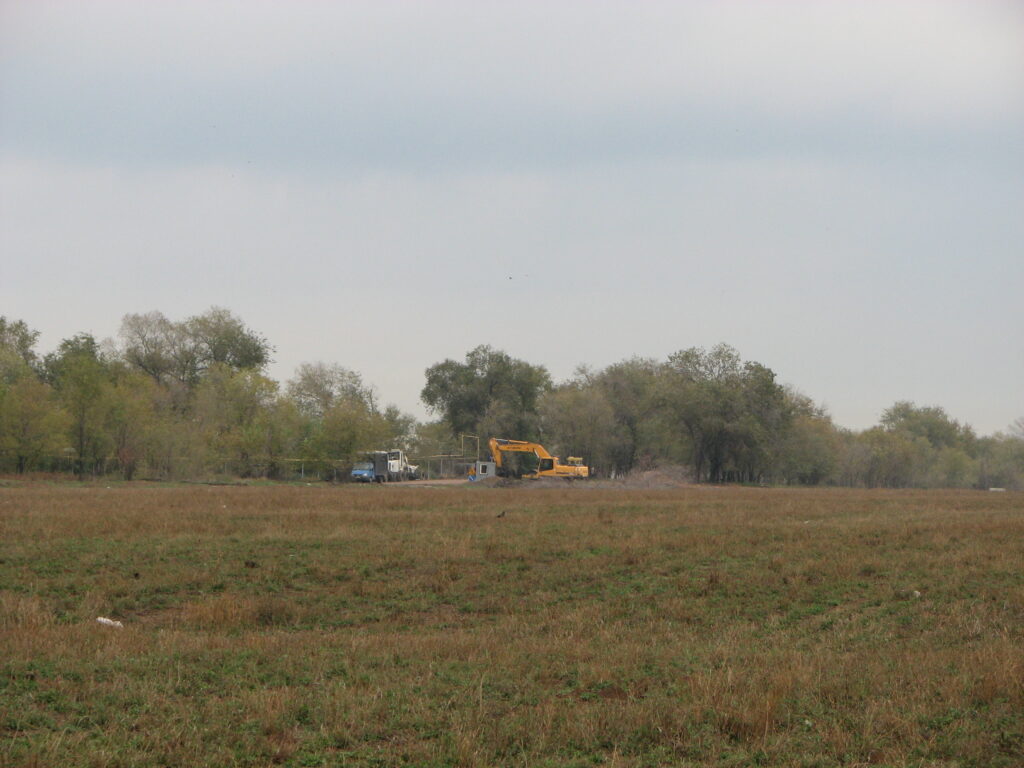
547	465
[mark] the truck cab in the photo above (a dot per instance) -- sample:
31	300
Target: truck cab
362	472
399	467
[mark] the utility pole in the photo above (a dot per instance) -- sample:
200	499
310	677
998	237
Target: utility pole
474	437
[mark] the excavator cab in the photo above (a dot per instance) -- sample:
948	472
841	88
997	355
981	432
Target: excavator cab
545	464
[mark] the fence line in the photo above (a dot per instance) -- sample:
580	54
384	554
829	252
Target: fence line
185	467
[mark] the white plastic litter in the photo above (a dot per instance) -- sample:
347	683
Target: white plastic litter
109	622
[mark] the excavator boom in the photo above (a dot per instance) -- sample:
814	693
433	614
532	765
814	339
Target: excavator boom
548	465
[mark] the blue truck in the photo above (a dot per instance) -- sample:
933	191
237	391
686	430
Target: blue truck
362	472
384	467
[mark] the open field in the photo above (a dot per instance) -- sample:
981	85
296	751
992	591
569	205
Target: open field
472	626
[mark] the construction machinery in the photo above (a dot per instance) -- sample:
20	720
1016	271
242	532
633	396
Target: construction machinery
547	465
399	467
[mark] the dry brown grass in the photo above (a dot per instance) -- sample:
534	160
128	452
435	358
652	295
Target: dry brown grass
385	626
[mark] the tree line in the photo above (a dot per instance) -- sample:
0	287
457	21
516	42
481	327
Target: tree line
726	419
180	399
176	399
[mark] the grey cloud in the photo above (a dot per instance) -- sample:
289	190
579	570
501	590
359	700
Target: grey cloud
467	85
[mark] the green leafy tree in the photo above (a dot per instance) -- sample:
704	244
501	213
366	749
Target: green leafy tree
347	430
952	467
81	346
811	445
890	458
273	436
340	417
401	428
133	420
766	420
19	339
942	451
931	423
731	413
80	375
223	339
702	393
490	393
1001	462
229	405
579	420
178	445
630	388
32	424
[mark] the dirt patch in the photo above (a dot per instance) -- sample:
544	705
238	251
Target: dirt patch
662	477
672	476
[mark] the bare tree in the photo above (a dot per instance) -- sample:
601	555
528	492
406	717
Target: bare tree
183	351
149	344
1017	428
317	387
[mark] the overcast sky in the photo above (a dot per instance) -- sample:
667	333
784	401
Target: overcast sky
836	189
